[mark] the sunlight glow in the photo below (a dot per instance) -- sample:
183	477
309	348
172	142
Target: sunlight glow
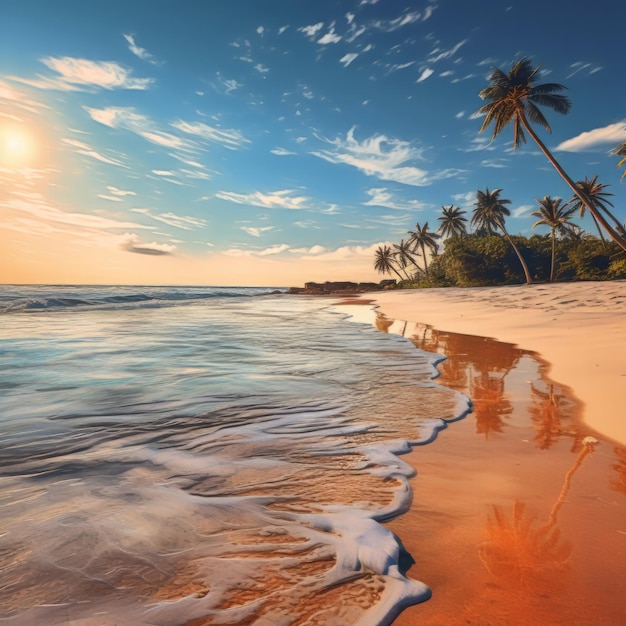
18	146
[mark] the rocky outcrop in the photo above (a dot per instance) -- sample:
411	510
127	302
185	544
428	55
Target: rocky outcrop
338	288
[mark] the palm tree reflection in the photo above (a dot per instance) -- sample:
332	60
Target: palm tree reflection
516	551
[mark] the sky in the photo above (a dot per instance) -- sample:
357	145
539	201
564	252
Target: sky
273	142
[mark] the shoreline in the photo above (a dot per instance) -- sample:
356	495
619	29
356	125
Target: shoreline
518	516
578	328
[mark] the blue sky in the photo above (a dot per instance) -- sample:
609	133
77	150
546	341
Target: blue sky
273	142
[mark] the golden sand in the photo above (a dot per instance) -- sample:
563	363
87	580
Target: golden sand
519	512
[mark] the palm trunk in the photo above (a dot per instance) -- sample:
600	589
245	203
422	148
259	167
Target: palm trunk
425	261
392	266
615	236
529	280
553	255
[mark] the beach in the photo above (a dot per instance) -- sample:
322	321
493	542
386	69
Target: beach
578	328
523	501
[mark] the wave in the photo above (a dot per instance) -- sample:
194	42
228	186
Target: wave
16	299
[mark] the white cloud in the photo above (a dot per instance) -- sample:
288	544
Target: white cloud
403	20
329	37
377	156
77	74
460	115
119	192
184	222
466	199
260	30
437	54
497	163
281	151
142	53
313	250
522	211
229	138
425	74
282	29
595	139
311	31
130	242
379	196
261	69
282	199
128	119
346	59
277	249
256	231
86	150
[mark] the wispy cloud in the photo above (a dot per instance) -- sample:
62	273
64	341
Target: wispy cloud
496	163
582	66
330	37
313	250
127	118
184	222
377	156
142	53
256	231
229	138
438	54
20	100
312	30
272	250
281	151
86	150
380	196
79	74
596	139
131	243
426	73
346	59
283	199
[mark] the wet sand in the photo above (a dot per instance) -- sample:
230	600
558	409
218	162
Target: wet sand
518	517
578	328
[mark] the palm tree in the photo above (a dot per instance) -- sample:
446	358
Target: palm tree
452	222
403	253
514	97
621	151
489	215
557	217
383	262
424	239
598	197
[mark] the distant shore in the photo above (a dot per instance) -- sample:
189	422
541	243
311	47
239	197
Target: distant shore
578	328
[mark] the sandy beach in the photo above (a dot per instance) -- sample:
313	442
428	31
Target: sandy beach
578	328
518	512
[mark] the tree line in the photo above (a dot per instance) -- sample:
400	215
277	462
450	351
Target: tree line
514	98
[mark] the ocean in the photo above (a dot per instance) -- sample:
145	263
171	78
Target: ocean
205	455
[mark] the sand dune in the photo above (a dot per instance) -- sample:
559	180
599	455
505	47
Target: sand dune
579	328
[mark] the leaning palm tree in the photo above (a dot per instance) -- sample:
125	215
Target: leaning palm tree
452	222
621	151
514	97
424	239
489	215
598	197
557	217
383	261
403	253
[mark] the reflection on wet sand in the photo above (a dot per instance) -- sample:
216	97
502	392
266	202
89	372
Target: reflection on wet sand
483	488
518	553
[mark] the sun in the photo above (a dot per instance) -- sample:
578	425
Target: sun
18	146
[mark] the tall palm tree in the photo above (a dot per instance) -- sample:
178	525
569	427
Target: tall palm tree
621	151
452	222
383	261
423	238
514	97
598	197
556	216
403	252
489	215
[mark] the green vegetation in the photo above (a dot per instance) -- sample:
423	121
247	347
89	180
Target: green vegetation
489	255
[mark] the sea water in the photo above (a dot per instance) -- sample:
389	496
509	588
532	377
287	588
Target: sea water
205	456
